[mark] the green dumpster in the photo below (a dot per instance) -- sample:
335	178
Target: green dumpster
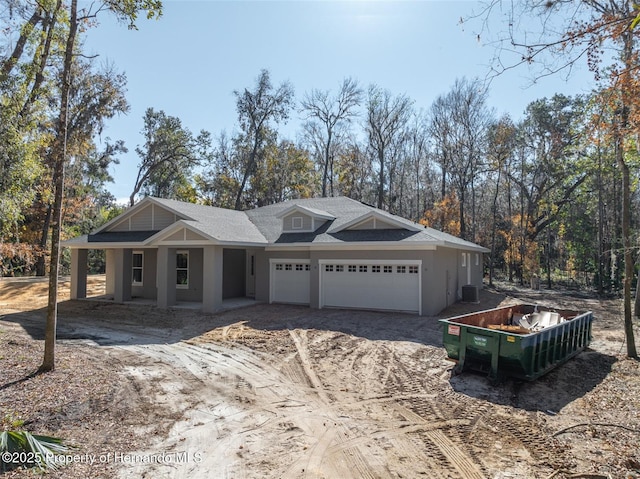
492	341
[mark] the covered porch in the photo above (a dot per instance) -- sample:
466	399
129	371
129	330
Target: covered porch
209	278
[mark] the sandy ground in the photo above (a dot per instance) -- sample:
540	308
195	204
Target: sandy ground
274	391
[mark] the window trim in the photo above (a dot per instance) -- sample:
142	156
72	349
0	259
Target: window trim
293	222
141	268
180	285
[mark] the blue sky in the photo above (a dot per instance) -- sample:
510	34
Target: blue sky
189	62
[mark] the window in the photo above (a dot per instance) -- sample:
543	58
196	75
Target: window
352	268
328	267
307	267
339	268
362	268
477	259
464	260
137	261
388	269
375	268
413	270
401	269
279	267
182	269
299	267
296	223
288	267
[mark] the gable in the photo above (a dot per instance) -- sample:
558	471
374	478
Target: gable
374	224
376	220
181	235
297	222
151	217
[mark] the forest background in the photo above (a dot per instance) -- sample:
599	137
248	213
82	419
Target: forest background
544	192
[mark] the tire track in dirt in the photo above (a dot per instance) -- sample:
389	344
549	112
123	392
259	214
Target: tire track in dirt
450	452
320	457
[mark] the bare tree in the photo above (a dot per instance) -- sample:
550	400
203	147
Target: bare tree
501	138
328	118
459	122
387	118
553	36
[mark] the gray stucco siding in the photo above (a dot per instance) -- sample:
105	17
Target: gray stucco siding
443	280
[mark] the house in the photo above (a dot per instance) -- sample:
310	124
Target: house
321	252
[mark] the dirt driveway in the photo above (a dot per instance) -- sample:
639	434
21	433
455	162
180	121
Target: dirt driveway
288	392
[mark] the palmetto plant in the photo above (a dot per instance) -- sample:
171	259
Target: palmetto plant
21	448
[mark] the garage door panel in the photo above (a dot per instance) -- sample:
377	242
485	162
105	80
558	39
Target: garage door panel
372	286
290	283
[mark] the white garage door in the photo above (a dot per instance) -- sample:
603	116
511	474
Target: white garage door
392	285
290	281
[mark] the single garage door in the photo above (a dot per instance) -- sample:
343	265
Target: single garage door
387	285
290	281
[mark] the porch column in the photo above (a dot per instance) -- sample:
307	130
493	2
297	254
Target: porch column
110	273
78	273
212	279
122	276
166	277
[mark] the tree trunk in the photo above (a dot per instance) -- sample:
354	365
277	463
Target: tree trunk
626	203
327	168
636	306
601	216
381	179
463	230
11	62
41	263
49	24
494	227
548	257
248	170
628	259
60	148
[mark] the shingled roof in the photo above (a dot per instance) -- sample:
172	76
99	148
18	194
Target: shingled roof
345	210
263	226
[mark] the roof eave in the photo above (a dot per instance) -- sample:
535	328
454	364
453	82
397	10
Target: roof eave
360	245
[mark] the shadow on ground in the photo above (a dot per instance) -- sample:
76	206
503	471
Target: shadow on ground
549	393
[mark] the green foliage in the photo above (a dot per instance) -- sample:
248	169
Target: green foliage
20	173
127	10
257	109
30	450
168	157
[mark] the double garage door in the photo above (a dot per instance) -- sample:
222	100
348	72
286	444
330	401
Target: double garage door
384	285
